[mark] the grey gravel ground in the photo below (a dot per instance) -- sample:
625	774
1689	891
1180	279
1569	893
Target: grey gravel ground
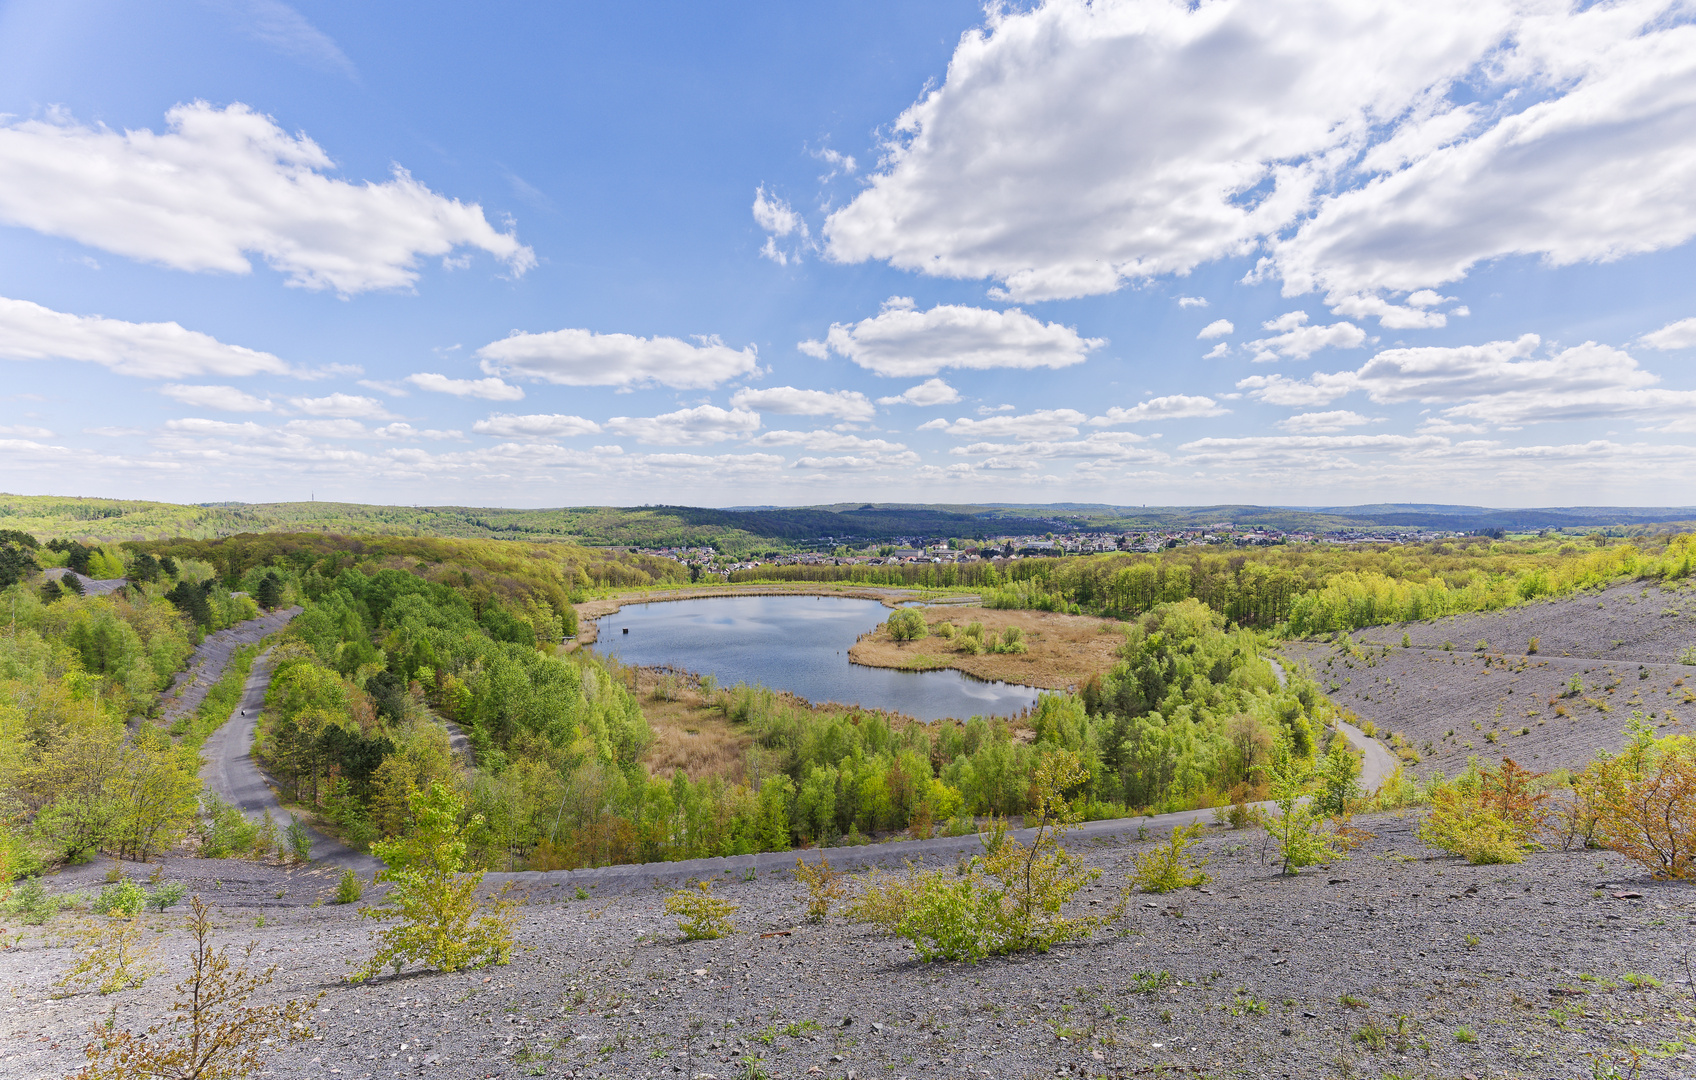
1623	643
1531	959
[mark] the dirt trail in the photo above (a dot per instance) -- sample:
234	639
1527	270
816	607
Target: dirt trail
206	664
231	772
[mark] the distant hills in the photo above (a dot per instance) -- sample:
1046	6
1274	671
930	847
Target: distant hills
764	528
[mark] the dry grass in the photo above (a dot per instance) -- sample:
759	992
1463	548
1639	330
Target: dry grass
1065	650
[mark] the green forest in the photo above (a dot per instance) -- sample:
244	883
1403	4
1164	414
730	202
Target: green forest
405	643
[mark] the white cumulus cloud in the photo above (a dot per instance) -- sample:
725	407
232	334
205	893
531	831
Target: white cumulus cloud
585	358
903	341
1171	407
687	427
1677	335
490	389
1075	145
1041	424
1323	423
1293	338
535	426
222	398
350	406
789	401
928	393
148	350
1216	328
221	184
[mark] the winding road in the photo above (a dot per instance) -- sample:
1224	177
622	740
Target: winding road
230	771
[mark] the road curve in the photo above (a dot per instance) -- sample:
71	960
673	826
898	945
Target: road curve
229	770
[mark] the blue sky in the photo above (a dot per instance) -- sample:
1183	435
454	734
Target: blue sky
539	255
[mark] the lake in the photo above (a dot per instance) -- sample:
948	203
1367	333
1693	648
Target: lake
798	644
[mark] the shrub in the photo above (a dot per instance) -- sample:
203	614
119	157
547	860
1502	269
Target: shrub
1298	830
1531	646
1338	779
299	840
824	887
906	625
167	895
123	900
944	630
1007	900
1170	867
111	956
224	830
1462	823
349	889
31	903
1644	801
443	924
700	915
212	1030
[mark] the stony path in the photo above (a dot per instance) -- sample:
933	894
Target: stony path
230	771
206	664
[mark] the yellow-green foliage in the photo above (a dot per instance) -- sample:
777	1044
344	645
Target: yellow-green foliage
1301	832
1642	802
700	915
1170	866
213	1032
824	887
1009	899
443	925
111	955
1488	814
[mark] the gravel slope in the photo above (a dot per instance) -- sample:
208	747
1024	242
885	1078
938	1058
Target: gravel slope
1622	643
1530	959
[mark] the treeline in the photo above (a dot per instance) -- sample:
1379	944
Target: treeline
1302	589
76	775
383	658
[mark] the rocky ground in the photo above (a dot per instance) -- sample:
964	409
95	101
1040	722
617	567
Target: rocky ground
1393	963
1623	645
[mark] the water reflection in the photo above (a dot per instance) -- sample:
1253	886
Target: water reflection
799	644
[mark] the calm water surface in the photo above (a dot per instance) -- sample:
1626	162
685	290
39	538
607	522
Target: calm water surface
799	644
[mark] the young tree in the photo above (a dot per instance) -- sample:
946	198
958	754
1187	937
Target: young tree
1299	828
1644	801
443	924
213	1032
1338	776
907	625
269	594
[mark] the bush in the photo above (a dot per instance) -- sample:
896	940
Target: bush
31	903
443	924
1298	830
1487	815
212	1031
1170	867
824	887
906	625
700	915
167	895
299	840
224	830
1644	801
1007	900
349	889
111	956
123	900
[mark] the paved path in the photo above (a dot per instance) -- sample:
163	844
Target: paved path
90	586
206	664
230	771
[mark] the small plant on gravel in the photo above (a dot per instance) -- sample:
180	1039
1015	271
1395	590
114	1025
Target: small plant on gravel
1298	830
1640	982
1150	982
1170	866
1351	1001
1011	897
111	956
349	889
582	893
1465	1035
299	840
700	915
824	887
1532	646
443	924
213	1031
1371	1036
31	903
122	900
165	896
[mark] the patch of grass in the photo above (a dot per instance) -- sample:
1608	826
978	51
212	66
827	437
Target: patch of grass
1465	1035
